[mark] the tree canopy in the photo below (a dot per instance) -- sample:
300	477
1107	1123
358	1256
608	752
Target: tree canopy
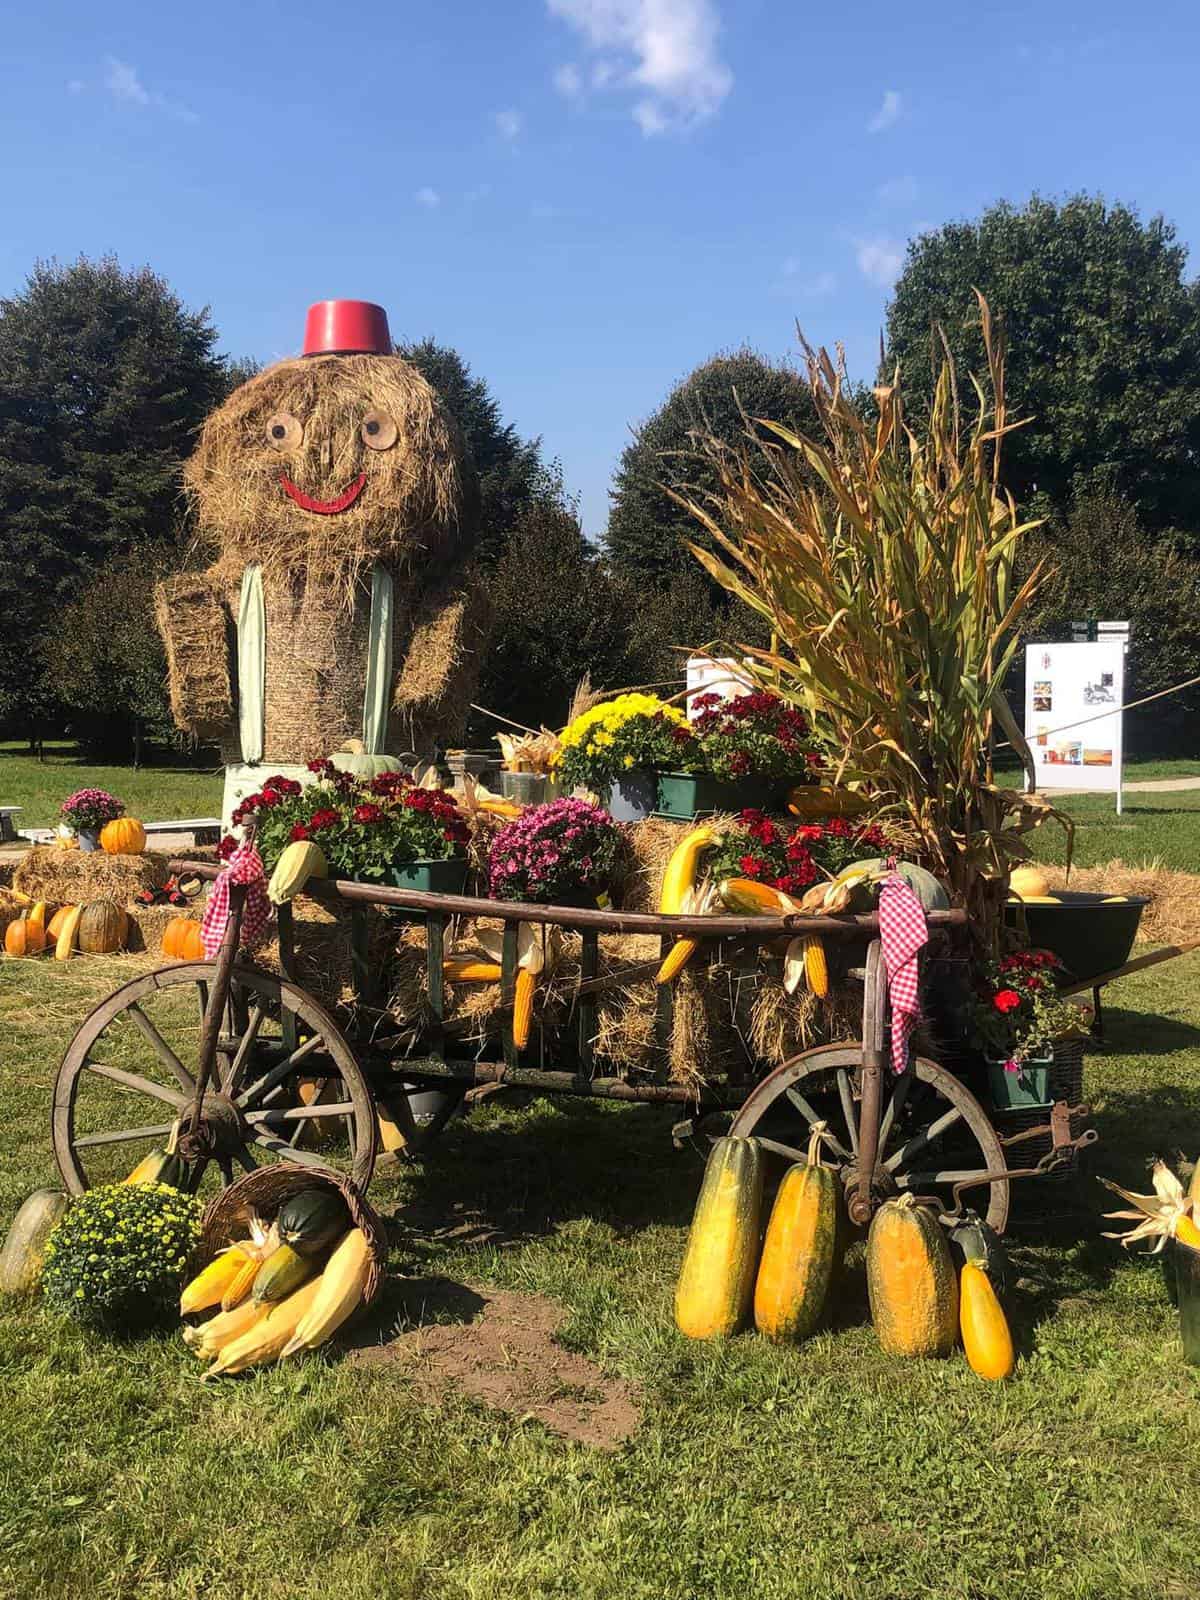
512	474
1103	334
647	530
104	377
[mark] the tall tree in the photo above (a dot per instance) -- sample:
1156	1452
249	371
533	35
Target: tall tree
647	531
512	474
104	377
1103	335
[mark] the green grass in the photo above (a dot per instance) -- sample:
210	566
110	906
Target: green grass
155	794
1152	827
827	1470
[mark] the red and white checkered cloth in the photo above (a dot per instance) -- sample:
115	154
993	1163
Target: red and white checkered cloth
903	932
244	866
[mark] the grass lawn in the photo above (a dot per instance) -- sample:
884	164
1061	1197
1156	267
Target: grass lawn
827	1470
1157	826
155	794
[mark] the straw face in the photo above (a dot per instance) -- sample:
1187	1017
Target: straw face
334	462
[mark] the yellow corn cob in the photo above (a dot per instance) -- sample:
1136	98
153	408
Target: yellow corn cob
339	1293
208	1288
465	970
677	957
680	874
523	1007
816	968
241	1284
747	898
298	862
211	1337
265	1340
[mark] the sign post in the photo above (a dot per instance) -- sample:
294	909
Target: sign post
1073	724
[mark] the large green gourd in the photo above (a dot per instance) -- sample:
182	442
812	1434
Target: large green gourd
25	1247
716	1281
801	1250
312	1220
911	1281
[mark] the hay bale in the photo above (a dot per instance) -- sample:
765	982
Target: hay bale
1173	915
70	877
324	964
147	924
193	622
11	910
421	501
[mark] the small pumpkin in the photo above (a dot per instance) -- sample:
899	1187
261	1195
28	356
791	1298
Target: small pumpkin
124	836
181	940
102	928
353	758
27	935
55	926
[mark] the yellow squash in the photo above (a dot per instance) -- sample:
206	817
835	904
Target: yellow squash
678	892
800	1250
911	1281
985	1333
716	1281
266	1338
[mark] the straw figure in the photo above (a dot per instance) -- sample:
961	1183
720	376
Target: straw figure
339	497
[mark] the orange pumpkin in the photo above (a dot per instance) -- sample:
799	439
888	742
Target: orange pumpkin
55	926
124	836
25	937
181	940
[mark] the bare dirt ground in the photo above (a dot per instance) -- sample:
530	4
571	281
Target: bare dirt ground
499	1348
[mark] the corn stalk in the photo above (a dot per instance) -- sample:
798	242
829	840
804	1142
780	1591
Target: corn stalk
882	563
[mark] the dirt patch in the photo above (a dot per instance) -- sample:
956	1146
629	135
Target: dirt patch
499	1348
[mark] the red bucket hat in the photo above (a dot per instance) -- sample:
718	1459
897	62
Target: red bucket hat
346	327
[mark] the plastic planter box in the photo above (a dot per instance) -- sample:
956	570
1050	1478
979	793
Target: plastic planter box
432	877
1027	1090
684	795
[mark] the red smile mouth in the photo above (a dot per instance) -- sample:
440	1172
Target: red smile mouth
326	508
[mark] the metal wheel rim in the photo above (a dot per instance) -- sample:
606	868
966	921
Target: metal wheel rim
832	1058
249	984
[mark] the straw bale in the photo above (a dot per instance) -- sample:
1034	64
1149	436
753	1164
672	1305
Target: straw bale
147	924
441	669
420	498
1173	915
70	877
196	630
11	909
321	943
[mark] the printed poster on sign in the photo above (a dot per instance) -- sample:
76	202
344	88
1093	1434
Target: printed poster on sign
1076	744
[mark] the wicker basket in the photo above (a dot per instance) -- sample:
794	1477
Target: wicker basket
264	1192
1066	1083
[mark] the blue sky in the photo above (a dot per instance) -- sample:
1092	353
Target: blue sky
585	197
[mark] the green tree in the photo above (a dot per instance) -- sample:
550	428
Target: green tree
647	531
109	666
512	474
559	612
1103	566
1103	336
104	377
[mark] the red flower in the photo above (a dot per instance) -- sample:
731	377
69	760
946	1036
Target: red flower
322	768
299	833
368	814
280	786
751	866
269	799
226	847
1006	1000
324	819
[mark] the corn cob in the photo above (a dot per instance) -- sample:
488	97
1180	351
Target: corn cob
264	1341
297	863
469	970
208	1288
816	967
677	957
241	1284
747	898
523	1006
211	1337
339	1293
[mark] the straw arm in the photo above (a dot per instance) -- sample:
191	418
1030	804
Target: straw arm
191	616
762	928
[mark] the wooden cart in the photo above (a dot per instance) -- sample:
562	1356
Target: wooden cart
243	1067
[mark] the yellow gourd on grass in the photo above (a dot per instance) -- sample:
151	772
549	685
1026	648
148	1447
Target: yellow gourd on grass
911	1281
984	1327
800	1250
716	1281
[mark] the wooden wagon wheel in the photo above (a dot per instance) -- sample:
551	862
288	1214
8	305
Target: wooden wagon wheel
284	1075
933	1133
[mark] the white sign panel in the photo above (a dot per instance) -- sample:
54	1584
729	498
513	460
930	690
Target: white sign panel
1073	695
712	675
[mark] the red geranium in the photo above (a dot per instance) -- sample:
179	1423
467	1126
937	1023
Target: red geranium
299	833
1006	1000
324	819
367	814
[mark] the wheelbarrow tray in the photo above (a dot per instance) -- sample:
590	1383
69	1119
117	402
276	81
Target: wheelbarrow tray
1091	934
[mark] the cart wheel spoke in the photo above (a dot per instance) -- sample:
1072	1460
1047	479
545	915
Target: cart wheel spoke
237	1065
894	1107
927	1180
787	1151
299	1114
262	1087
89	1141
161	1048
847	1099
280	1147
134	1081
917	1143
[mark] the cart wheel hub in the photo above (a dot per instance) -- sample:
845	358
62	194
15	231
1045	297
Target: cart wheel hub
883	1187
221	1130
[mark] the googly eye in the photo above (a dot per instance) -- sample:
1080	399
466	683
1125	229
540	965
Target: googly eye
378	431
284	431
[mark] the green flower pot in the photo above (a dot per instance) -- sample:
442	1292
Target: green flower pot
685	795
432	877
1027	1090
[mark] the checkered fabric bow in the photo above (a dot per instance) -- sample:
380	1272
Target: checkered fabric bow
244	866
903	932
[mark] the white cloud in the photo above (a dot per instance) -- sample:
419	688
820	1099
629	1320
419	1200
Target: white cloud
898	191
568	81
124	84
888	114
880	260
75	86
667	49
429	198
816	287
508	123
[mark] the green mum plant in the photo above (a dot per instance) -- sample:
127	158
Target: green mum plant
119	1257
